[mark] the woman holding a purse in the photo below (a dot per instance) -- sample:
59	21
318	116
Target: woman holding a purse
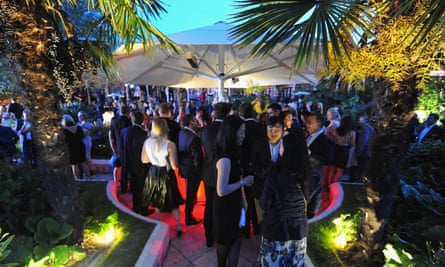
228	202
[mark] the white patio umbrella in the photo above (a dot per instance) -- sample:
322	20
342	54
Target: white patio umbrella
210	60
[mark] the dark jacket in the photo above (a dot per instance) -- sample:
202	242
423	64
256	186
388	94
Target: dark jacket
322	150
284	206
190	154
8	139
436	133
254	131
173	130
208	140
133	138
364	140
116	126
261	161
321	154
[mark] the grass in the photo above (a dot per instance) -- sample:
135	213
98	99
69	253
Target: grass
127	251
354	196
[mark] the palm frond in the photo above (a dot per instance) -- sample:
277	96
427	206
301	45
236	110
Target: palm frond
431	22
314	27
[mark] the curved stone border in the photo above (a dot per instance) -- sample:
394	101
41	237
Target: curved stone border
155	248
337	195
154	251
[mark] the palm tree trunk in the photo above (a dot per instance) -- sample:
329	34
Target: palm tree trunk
32	36
393	112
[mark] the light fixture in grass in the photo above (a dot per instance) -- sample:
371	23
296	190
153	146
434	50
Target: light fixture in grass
103	233
341	234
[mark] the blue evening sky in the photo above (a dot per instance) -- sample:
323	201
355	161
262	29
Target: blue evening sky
189	14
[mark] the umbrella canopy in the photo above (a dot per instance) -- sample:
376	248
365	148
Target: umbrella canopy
210	59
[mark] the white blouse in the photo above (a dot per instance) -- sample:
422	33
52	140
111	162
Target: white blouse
154	152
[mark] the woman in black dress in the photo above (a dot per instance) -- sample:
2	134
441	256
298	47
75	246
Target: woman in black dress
74	135
161	187
227	203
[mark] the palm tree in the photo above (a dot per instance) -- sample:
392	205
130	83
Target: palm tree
329	30
40	41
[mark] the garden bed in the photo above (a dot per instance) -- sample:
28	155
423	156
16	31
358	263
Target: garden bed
136	232
354	197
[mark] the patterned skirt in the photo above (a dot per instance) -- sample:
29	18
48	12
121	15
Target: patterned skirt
282	253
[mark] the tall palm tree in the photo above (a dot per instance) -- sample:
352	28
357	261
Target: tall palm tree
321	29
40	40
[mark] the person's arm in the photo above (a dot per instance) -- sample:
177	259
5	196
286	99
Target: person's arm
197	154
173	155
144	155
222	183
112	141
352	139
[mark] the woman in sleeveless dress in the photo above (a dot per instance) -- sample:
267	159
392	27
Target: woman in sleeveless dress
227	202
344	140
161	188
74	135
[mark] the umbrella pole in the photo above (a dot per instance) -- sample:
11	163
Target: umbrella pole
221	74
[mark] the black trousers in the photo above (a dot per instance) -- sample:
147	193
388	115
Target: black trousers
208	213
137	185
192	189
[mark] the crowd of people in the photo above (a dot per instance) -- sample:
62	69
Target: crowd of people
16	126
264	174
266	169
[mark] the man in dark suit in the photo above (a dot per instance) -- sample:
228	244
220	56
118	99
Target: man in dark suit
208	139
362	152
173	126
133	138
190	161
431	131
116	126
321	153
254	131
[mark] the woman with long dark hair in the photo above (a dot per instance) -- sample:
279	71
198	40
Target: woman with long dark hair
227	204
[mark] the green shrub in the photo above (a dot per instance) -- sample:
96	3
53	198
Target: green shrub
22	196
417	225
5	250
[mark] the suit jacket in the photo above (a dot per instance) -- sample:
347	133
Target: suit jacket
322	150
133	138
174	128
190	154
254	131
436	133
116	126
208	140
364	141
261	161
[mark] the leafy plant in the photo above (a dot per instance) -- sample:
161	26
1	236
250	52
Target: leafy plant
51	232
432	97
397	256
61	255
417	222
5	240
22	196
73	108
341	234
